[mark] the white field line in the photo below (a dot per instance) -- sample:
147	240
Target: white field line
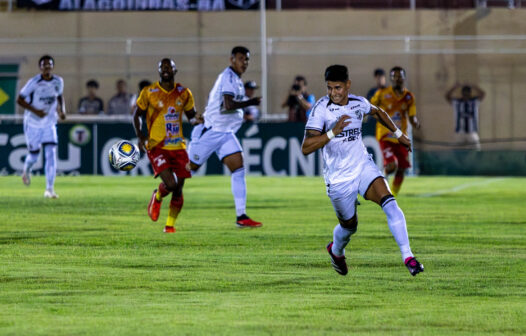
460	187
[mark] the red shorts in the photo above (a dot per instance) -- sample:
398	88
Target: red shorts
395	152
175	160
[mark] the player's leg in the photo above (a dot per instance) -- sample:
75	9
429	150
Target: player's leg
179	160
50	153
176	204
378	192
203	143
49	143
402	157
342	196
390	160
33	140
231	154
160	161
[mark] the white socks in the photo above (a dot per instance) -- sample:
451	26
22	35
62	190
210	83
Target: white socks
30	160
50	151
397	225
239	190
340	239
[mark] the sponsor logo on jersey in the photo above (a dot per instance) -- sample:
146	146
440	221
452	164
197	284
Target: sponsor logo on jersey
387	96
352	134
154	90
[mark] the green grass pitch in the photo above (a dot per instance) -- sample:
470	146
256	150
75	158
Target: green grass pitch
92	263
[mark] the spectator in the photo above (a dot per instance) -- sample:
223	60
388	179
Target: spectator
466	108
133	100
250	113
120	103
379	77
299	101
91	104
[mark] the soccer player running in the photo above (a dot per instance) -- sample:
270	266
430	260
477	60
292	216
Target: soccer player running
399	103
162	104
42	99
335	126
223	116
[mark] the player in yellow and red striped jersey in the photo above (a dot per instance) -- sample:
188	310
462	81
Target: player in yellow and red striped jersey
162	104
399	103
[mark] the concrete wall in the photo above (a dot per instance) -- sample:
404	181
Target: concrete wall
433	66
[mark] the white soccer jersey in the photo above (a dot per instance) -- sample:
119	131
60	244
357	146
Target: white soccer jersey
216	116
345	154
42	94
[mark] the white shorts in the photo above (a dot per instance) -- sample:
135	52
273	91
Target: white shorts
343	194
205	141
38	136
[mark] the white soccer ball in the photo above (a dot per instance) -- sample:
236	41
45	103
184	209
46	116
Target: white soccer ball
124	155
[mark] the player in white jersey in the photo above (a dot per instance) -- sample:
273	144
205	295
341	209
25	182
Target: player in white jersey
43	102
335	125
222	118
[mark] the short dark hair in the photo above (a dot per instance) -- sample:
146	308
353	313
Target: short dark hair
466	88
379	72
301	78
45	57
144	83
337	73
92	83
240	50
397	68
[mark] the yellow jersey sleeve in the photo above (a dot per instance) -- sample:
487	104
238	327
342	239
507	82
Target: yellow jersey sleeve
142	101
190	104
412	108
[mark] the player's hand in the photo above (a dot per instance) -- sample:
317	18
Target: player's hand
341	124
254	101
142	143
39	113
61	115
405	141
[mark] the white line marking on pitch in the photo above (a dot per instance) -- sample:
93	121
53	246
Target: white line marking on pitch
460	187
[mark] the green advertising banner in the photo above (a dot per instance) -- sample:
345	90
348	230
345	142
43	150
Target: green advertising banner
271	149
8	79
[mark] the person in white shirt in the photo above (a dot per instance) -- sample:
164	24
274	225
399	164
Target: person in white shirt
42	99
223	116
335	125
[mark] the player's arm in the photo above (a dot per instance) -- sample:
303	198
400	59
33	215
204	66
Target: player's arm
61	107
194	117
230	104
479	93
138	114
386	121
449	93
314	140
22	102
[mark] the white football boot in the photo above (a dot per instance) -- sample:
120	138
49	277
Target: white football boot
50	194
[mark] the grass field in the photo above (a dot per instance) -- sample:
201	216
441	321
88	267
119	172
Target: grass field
92	263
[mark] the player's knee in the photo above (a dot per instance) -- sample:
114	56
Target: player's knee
350	224
171	186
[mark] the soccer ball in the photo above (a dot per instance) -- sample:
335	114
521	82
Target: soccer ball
124	155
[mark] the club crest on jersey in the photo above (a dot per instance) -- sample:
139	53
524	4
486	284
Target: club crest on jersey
358	115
